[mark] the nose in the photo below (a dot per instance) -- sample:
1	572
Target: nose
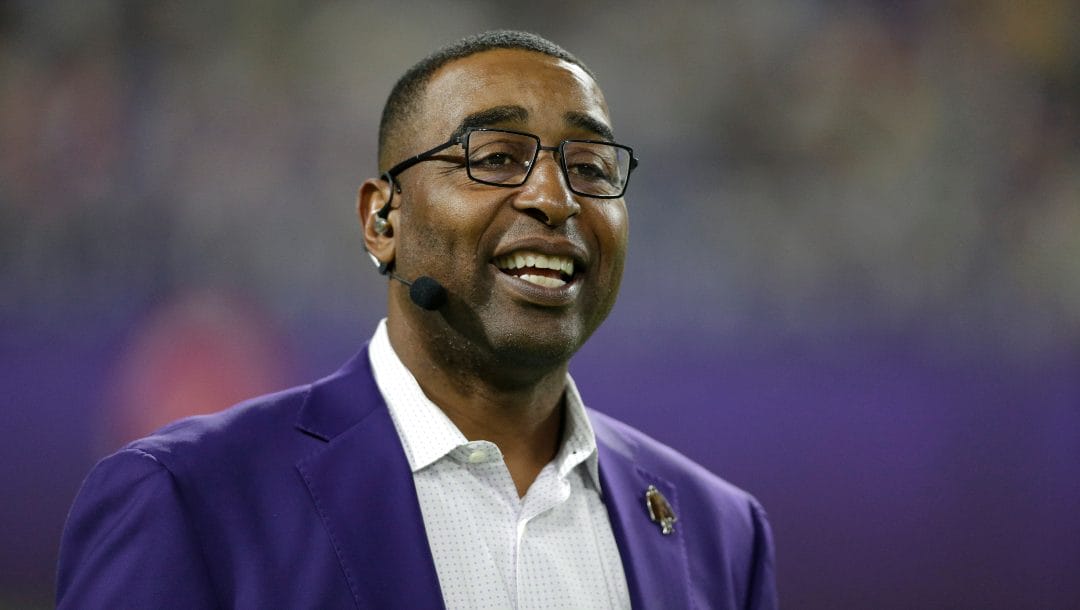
545	194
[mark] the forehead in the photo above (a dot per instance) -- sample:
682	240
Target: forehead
550	90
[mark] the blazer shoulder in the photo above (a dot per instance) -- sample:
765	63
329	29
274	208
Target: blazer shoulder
251	426
129	504
277	427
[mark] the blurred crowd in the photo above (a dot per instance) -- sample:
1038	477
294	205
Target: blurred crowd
812	166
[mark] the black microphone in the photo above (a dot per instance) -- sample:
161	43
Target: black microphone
425	292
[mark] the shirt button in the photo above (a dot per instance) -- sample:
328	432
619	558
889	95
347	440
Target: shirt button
477	456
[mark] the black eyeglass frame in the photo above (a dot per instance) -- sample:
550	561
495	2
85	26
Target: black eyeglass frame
462	139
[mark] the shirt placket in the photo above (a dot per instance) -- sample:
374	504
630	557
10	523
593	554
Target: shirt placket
547	492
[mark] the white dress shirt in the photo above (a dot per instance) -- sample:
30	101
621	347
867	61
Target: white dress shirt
552	548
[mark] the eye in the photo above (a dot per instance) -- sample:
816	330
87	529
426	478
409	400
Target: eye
494	160
592	171
496	152
596	163
590	166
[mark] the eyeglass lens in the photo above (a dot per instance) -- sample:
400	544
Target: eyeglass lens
504	158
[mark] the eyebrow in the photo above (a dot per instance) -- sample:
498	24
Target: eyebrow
491	116
517	114
588	123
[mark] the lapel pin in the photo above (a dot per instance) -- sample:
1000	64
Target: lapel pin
659	510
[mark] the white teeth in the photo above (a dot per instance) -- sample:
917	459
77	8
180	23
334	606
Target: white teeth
520	260
543	280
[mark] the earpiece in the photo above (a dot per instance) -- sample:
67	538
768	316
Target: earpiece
381	225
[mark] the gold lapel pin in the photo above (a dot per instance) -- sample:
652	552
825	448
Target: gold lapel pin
659	510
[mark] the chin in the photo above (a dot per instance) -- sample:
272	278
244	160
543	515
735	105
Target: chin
535	345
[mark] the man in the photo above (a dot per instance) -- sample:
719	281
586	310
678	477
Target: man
451	462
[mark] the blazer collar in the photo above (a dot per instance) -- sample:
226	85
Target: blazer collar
655	564
363	489
339	401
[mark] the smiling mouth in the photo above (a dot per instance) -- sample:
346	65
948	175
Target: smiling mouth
547	270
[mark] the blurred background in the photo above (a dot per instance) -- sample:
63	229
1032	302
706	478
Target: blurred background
853	286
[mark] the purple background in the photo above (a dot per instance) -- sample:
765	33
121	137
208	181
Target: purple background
853	285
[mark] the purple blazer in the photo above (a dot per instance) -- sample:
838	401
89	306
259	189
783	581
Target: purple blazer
304	499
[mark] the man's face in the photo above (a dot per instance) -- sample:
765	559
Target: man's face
464	233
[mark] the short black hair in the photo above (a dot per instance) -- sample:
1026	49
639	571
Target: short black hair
403	99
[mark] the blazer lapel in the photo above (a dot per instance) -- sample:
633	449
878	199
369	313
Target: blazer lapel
363	490
655	564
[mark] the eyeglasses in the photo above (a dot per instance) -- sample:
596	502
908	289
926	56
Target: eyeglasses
498	157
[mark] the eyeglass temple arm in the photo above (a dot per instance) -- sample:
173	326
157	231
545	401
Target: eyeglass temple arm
389	174
385	210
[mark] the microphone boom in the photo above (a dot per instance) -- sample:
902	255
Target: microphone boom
425	292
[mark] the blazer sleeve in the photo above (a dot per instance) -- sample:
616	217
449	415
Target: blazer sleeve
129	543
762	585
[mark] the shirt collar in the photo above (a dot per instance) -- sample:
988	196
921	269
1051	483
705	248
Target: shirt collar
427	434
579	440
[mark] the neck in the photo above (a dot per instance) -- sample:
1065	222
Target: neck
519	408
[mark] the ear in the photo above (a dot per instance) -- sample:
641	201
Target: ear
372	196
